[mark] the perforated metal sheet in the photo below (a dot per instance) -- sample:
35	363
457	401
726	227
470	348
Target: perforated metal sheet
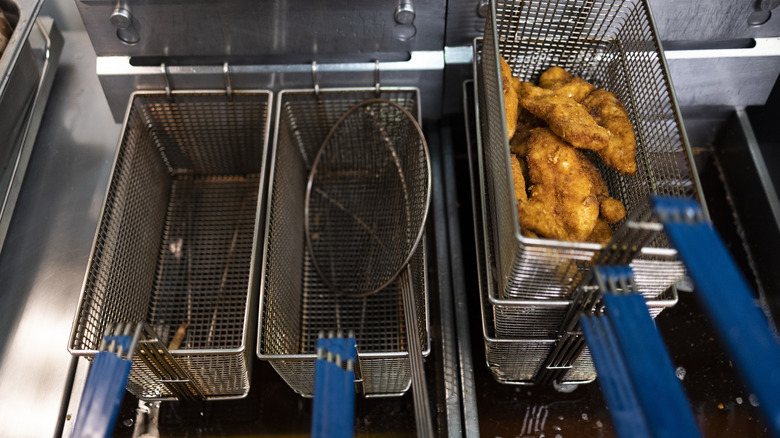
295	304
614	46
176	239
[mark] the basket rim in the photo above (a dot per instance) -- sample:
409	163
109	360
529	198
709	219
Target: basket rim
251	284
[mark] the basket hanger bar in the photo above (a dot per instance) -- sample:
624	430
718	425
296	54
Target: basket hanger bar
226	74
315	78
166	78
376	78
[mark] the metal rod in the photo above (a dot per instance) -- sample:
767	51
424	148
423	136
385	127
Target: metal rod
419	390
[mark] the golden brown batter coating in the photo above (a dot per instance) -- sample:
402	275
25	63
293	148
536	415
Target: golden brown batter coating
607	111
510	98
612	210
553	77
562	204
518	179
599	186
525	123
565	117
601	232
564	84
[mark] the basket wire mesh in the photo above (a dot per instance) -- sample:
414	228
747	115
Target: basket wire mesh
177	236
295	303
367	198
522	334
612	44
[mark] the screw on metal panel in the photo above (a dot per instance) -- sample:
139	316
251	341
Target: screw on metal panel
121	18
482	8
404	12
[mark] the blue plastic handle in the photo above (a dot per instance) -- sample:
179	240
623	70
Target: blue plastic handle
319	404
658	390
102	396
333	409
624	407
728	301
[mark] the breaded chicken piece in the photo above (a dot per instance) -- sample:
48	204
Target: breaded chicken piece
525	123
611	209
524	169
565	117
564	84
525	88
607	111
562	204
599	186
510	98
516	85
530	234
601	232
553	77
518	179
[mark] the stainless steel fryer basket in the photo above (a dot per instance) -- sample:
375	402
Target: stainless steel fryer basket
295	304
614	45
520	334
177	238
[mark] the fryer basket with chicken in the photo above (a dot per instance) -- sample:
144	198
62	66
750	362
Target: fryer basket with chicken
592	116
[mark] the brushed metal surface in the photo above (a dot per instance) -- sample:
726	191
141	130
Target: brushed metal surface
46	251
239	28
16	154
27	11
709	20
423	70
676	20
733	77
464	22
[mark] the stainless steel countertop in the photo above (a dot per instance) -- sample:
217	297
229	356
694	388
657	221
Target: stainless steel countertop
45	255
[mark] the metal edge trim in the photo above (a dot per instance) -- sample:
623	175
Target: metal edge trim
667	75
758	160
269	198
27	20
99	224
251	286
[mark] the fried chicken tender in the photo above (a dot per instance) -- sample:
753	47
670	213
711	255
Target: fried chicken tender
563	204
564	84
612	210
601	232
510	98
518	179
524	88
565	117
553	77
599	186
530	234
607	111
525	123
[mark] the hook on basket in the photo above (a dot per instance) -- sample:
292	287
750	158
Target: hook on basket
315	79
166	78
377	87
228	85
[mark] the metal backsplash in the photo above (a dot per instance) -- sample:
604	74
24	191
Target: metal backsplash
282	31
